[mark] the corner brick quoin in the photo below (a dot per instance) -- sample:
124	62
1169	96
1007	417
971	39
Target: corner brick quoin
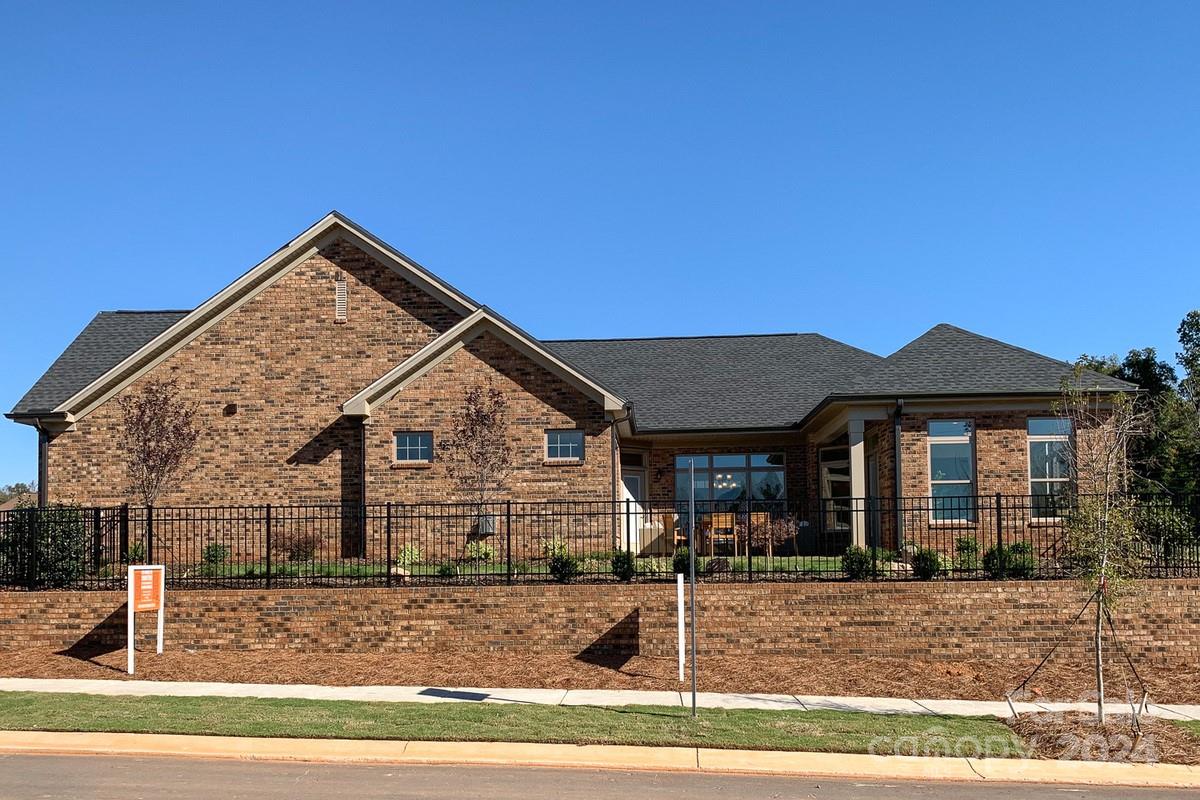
951	620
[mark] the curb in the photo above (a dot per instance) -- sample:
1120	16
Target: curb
622	757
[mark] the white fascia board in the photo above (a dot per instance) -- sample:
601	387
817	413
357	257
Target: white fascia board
415	366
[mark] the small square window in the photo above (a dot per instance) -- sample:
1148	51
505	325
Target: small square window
412	447
564	445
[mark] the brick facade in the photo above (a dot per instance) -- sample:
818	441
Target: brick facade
1008	620
269	379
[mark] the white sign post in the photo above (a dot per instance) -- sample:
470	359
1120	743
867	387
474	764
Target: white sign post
146	592
679	617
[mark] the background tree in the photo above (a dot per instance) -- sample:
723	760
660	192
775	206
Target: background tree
480	442
1102	525
158	436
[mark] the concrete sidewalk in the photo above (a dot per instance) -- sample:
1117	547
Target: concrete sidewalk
571	697
622	757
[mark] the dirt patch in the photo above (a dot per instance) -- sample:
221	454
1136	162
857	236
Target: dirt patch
1078	736
1170	682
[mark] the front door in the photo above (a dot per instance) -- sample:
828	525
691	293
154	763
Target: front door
634	511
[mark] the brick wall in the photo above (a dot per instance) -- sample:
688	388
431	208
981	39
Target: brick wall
1009	620
288	366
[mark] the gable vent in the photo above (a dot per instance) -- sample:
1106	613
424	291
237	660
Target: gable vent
339	300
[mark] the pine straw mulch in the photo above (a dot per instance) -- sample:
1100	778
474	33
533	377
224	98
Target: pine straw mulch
1170	682
1078	736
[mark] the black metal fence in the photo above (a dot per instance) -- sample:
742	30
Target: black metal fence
395	544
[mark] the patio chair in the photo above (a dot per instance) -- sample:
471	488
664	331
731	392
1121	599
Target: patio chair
722	528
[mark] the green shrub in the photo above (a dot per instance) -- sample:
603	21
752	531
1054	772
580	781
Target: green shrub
1013	561
554	547
479	553
136	553
623	567
858	563
680	563
213	557
927	564
48	546
966	553
654	566
564	567
447	570
409	556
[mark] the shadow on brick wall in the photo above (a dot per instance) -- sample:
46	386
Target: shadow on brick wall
107	637
616	645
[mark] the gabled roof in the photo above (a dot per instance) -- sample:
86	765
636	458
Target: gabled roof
66	394
108	339
720	382
950	360
480	322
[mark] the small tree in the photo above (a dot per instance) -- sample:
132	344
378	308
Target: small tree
159	432
1103	535
479	439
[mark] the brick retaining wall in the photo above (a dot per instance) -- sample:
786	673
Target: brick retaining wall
944	620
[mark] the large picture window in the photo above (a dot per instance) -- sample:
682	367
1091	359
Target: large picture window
732	476
952	469
1049	465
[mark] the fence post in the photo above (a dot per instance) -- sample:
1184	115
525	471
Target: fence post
749	541
508	572
268	537
1000	536
35	534
387	527
96	544
149	534
123	533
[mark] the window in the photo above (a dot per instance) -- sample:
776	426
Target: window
1049	465
835	486
564	445
952	469
339	299
414	447
731	477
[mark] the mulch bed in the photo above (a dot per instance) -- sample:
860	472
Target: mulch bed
1078	736
1170	682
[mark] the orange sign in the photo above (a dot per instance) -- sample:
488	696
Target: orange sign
147	585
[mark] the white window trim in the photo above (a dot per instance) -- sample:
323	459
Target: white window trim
396	448
564	459
1031	439
930	441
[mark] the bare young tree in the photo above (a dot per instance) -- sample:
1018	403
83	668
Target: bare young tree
479	440
1102	524
159	432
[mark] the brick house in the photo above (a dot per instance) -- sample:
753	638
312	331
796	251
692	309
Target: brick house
328	373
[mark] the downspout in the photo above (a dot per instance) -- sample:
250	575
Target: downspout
43	468
896	426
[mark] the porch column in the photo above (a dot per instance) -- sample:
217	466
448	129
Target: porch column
858	481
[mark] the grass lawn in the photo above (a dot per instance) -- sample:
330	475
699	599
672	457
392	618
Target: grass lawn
1191	727
819	731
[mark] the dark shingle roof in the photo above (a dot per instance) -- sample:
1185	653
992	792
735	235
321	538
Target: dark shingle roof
681	384
106	341
950	360
720	382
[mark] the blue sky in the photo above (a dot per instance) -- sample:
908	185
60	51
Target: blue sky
865	170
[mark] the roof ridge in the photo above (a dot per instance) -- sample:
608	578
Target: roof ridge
994	340
698	336
149	311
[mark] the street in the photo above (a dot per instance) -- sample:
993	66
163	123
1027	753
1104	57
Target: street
123	778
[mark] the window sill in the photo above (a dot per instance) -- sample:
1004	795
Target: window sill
412	464
562	462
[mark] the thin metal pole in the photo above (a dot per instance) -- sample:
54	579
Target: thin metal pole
692	570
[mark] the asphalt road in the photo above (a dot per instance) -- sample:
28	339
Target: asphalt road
104	777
